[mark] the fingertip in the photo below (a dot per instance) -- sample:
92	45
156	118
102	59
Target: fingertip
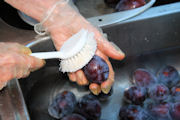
109	48
40	63
106	86
72	77
36	64
81	79
95	88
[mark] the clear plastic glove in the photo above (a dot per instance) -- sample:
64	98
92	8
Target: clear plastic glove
15	62
63	25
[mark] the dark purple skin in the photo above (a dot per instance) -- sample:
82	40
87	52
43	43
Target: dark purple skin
133	112
143	78
175	92
63	104
97	70
89	107
175	112
161	111
74	117
169	76
129	4
159	93
135	95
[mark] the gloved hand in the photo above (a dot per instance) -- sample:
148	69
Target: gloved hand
65	22
62	23
15	62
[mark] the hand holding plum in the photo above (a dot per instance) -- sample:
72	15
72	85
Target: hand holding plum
64	22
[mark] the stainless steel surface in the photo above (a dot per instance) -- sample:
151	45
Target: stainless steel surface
143	34
109	19
43	85
115	18
12	34
12	106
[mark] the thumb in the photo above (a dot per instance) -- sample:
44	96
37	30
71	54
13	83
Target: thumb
108	48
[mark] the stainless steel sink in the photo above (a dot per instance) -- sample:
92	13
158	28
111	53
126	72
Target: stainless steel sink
149	41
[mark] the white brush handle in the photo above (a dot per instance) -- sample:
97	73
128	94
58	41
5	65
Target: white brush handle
48	55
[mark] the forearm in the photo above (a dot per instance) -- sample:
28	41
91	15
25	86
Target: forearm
34	8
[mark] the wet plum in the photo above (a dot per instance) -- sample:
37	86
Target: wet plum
129	4
133	112
74	117
175	92
89	107
161	111
97	70
143	77
63	104
175	112
135	94
169	76
159	92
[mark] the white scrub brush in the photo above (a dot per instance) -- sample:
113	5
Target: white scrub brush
75	53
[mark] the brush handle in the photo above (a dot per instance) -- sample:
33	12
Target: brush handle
48	55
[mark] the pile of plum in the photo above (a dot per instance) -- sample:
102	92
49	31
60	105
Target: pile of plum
151	97
66	107
121	5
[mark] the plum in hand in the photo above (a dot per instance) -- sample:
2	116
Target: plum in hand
169	76
129	4
63	104
89	107
135	94
143	78
97	70
74	117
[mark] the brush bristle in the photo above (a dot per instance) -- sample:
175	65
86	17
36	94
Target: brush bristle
81	59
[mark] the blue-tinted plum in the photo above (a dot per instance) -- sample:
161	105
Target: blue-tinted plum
175	92
159	92
63	104
175	112
74	117
169	76
129	4
89	107
161	111
135	94
97	70
133	112
143	78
